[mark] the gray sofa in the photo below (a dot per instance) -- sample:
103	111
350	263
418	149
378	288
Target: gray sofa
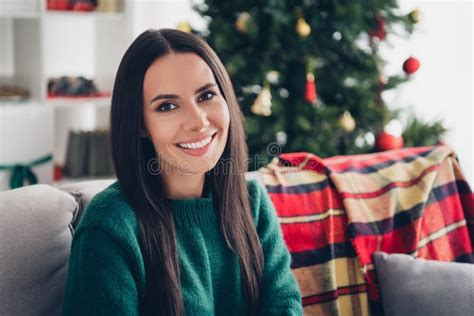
37	225
36	228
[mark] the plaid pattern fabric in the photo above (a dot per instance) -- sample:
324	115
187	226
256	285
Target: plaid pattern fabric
336	212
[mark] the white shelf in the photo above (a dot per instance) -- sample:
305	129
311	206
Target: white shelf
37	44
65	102
36	14
20	14
79	14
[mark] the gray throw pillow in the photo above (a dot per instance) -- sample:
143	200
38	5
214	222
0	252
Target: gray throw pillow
35	243
412	286
83	192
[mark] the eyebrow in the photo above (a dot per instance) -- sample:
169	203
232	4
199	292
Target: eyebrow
174	96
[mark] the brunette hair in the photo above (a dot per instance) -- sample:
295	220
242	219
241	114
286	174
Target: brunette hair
145	191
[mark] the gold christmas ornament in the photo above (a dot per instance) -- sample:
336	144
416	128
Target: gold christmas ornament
241	24
415	15
184	26
263	102
347	122
302	27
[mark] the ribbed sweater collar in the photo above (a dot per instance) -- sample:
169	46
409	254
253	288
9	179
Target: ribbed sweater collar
192	212
196	211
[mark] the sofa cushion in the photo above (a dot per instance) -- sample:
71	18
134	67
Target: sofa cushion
35	242
412	286
83	192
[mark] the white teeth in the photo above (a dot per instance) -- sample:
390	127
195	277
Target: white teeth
196	145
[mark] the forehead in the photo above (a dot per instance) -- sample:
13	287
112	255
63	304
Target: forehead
174	71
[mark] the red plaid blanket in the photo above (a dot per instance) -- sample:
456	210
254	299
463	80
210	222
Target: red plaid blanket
336	212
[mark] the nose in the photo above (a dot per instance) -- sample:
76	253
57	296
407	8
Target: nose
196	119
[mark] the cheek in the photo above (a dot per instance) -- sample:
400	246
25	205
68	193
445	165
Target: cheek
221	118
161	132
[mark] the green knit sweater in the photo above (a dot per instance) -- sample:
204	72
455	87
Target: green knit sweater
106	268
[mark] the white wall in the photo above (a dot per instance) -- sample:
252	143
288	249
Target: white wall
443	86
6	49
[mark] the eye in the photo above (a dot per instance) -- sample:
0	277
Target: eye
207	95
165	107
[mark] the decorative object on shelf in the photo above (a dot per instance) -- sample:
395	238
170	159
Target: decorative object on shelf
26	144
57	172
72	86
21	172
107	6
78	5
13	93
88	154
84	5
411	65
59	5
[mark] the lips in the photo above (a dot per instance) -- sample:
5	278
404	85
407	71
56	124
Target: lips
196	140
198	151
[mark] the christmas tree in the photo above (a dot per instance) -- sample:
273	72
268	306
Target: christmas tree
309	76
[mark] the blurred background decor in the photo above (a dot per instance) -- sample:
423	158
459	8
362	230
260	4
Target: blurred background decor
326	77
327	98
88	154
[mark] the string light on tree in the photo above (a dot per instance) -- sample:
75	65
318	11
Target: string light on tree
283	93
273	77
281	138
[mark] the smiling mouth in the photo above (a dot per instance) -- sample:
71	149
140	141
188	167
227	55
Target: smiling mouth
197	147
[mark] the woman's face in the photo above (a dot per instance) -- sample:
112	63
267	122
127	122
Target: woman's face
185	115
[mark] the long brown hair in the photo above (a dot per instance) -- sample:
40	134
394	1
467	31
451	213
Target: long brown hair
145	192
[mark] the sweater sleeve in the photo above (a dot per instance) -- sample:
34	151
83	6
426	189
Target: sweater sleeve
100	279
281	294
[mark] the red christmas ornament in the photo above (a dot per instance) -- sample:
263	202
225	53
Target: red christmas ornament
411	65
310	94
380	32
386	141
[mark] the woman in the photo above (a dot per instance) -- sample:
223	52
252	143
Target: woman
180	232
